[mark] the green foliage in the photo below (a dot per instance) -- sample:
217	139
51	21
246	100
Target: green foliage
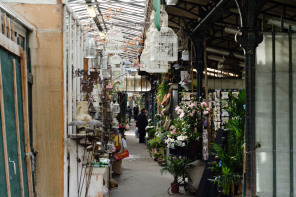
158	155
156	143
230	168
176	167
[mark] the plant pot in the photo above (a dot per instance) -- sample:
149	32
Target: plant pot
161	162
173	151
175	187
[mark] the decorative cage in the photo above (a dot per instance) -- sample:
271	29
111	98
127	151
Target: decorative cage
115	108
164	45
145	60
114	42
158	67
115	61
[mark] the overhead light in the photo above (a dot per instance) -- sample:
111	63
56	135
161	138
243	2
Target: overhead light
91	11
171	2
232	30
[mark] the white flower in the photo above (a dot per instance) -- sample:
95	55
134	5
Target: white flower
183	144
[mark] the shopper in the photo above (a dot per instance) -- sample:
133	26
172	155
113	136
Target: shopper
129	113
142	123
136	112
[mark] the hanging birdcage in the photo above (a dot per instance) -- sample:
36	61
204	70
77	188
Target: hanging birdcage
158	67
114	42
115	61
116	108
164	45
145	60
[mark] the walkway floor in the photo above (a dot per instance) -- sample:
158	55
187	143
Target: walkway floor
140	174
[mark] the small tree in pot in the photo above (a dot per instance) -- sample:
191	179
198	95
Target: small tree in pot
177	167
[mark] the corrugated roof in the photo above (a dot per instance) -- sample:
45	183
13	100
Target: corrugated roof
127	16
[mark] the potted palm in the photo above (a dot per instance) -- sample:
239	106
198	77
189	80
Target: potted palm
177	167
228	170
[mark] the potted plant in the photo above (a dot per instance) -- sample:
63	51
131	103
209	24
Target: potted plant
228	170
156	145
177	167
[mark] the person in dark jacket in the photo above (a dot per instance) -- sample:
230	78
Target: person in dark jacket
142	123
136	112
129	113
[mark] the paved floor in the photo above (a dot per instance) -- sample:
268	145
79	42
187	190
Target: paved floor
140	174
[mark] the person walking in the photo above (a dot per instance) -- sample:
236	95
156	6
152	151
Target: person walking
129	113
142	123
136	112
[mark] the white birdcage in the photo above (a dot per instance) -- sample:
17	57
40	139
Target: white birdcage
116	108
145	61
158	67
114	41
163	43
115	61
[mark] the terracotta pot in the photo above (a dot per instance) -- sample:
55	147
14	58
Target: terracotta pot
175	187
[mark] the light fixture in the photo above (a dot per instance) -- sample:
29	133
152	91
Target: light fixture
171	2
185	55
91	11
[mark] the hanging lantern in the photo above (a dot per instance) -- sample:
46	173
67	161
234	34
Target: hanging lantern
185	55
114	41
90	49
96	63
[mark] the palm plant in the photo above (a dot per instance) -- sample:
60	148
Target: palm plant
229	169
177	167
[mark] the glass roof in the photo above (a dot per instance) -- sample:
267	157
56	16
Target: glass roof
127	16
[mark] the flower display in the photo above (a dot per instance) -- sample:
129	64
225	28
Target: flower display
185	126
121	126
